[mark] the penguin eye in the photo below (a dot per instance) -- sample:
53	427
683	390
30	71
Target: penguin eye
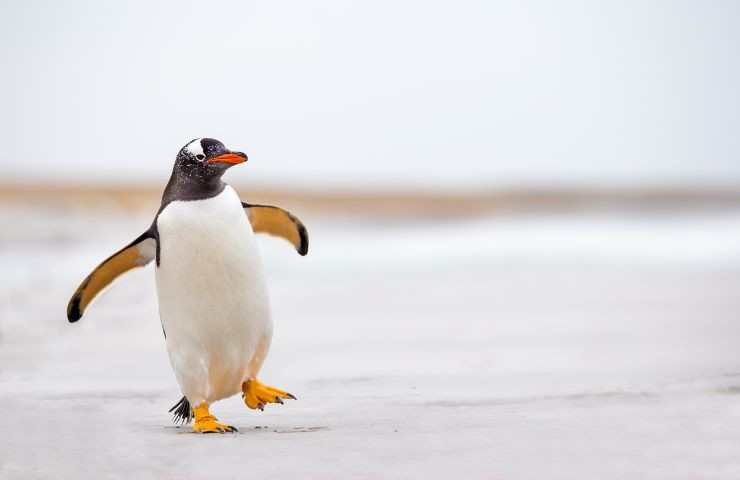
200	156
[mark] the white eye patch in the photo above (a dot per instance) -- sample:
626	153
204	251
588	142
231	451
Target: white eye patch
196	149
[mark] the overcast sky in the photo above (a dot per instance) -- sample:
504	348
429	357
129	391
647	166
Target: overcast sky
376	94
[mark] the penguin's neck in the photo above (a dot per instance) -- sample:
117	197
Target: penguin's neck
185	186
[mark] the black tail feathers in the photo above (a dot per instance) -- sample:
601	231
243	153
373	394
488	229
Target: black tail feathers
183	413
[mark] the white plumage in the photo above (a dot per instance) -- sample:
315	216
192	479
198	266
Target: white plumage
213	300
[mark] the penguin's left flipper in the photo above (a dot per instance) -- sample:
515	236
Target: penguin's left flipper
136	254
278	222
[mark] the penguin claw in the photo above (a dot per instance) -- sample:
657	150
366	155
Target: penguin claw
224	429
207	423
257	395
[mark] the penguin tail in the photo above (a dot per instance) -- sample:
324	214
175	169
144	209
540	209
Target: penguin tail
183	413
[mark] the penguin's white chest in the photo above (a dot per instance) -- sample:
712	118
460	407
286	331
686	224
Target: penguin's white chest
213	300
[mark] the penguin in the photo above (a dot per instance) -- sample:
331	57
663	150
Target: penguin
213	299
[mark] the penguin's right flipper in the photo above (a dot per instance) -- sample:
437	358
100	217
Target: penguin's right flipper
136	254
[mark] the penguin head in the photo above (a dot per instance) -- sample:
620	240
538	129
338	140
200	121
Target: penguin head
207	158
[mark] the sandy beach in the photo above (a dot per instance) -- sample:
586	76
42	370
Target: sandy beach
561	344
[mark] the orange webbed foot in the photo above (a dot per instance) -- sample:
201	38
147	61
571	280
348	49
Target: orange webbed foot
257	395
207	423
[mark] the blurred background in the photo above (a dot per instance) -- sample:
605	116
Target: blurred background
524	220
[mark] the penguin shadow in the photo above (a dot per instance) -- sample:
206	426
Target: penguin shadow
250	430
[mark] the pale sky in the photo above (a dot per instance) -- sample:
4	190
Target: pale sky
375	94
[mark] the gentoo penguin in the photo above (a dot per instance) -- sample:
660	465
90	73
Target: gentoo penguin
213	300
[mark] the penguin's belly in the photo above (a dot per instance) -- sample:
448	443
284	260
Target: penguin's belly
212	296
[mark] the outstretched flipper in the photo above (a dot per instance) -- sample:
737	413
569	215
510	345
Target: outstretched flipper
136	254
278	222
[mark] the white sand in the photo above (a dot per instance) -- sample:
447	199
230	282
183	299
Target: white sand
543	347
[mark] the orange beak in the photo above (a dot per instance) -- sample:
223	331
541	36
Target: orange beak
232	158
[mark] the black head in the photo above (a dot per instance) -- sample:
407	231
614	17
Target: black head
207	159
198	169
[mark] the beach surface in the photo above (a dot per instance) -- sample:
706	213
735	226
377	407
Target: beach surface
557	345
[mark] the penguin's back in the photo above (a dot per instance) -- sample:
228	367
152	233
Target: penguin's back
213	299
